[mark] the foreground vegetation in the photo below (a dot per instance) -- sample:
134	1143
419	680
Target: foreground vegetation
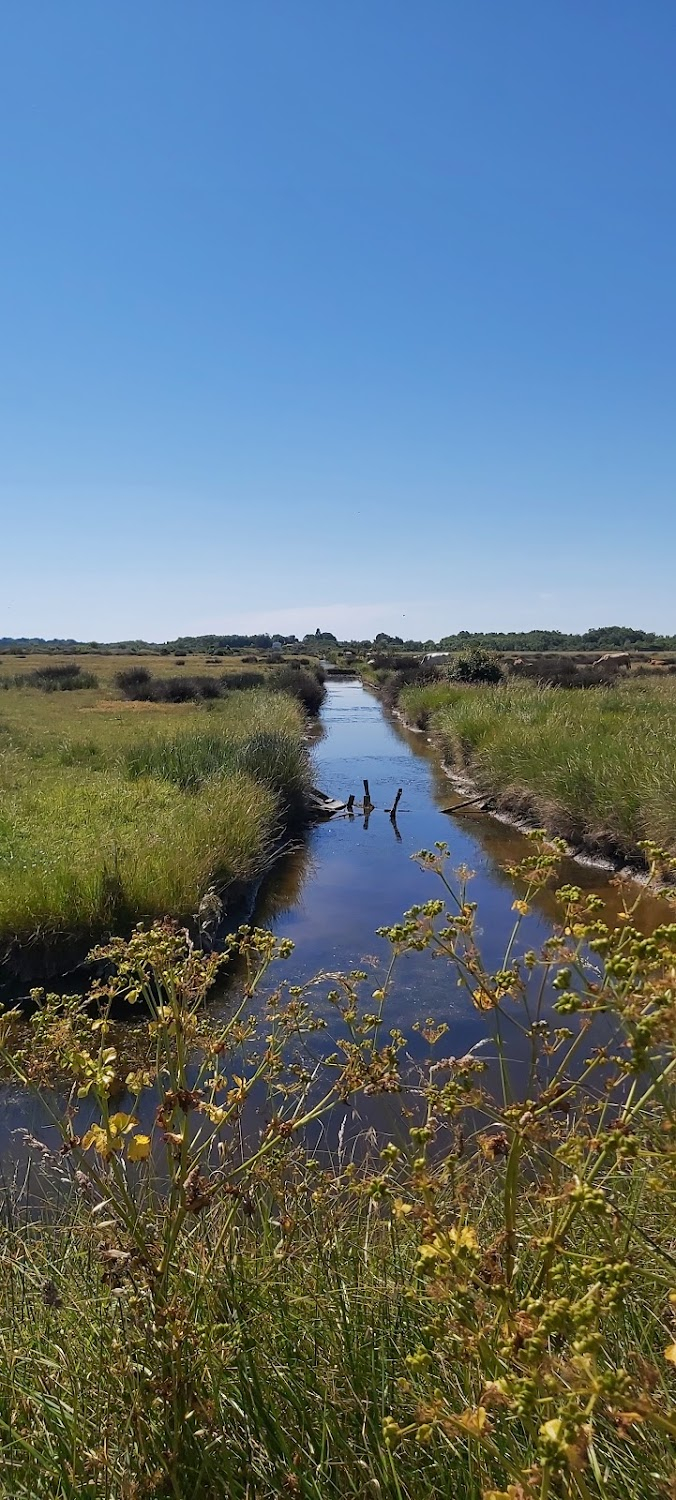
114	809
596	766
477	1301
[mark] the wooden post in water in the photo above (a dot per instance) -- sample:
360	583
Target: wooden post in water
395	804
367	797
350	802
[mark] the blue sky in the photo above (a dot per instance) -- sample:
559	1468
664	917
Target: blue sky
360	316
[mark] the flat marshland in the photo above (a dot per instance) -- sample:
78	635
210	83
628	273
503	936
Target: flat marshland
596	765
115	807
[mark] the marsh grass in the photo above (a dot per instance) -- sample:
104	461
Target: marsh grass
109	815
476	1301
274	758
597	765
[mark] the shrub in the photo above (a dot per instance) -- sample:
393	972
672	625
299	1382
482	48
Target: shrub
130	679
564	671
303	685
138	684
239	680
64	678
476	665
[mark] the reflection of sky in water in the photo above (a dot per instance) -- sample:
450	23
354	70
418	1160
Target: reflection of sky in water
348	880
359	879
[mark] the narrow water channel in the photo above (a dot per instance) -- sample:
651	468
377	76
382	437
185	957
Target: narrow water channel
352	875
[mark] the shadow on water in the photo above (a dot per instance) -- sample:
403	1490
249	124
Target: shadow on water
355	874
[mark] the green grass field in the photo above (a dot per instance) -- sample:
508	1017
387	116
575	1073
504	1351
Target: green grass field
595	765
114	810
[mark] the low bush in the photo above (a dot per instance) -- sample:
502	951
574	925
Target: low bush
186	689
130	679
306	686
241	680
475	665
66	678
564	671
138	684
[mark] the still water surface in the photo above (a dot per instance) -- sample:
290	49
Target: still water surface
354	875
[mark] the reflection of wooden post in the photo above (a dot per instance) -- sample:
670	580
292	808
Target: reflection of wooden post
393	813
350	802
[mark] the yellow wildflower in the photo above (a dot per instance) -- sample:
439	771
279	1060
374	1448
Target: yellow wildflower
138	1148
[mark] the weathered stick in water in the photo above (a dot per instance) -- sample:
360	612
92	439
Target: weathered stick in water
350	802
395	804
367	796
467	803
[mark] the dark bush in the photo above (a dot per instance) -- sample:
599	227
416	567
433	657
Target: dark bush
564	671
132	678
186	689
476	665
412	675
57	679
300	684
137	683
243	680
395	661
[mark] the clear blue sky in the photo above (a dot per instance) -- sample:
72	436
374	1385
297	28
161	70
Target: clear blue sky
357	315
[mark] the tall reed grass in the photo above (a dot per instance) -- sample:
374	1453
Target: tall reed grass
597	765
108	818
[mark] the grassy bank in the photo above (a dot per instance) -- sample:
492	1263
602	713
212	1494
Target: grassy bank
595	765
473	1301
114	809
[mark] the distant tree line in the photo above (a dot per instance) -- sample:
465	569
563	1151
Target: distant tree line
602	638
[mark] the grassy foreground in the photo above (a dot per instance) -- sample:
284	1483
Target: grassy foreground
477	1302
596	766
113	809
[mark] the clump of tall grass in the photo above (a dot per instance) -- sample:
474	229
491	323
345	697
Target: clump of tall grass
307	686
83	855
472	1298
137	817
420	701
273	757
